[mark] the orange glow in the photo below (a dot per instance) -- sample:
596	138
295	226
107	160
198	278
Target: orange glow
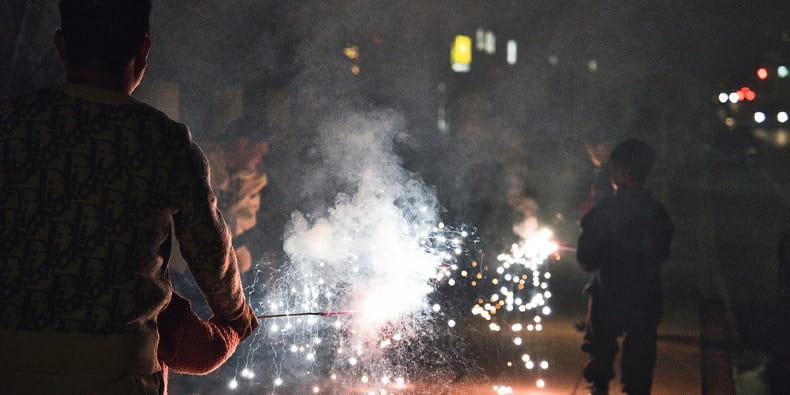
762	73
351	52
746	93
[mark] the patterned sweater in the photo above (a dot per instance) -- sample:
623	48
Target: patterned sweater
89	183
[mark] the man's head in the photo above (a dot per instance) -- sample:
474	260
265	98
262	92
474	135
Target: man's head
631	162
109	36
246	144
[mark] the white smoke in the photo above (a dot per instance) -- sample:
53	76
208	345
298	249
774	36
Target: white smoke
370	237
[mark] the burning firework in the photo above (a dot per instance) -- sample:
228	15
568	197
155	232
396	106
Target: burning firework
381	343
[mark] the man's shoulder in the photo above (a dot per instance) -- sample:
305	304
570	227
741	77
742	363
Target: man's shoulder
26	103
6	103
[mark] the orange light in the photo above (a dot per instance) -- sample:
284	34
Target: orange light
745	93
762	73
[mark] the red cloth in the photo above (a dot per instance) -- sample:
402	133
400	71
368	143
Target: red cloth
189	344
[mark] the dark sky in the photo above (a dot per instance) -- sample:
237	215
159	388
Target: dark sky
712	40
659	63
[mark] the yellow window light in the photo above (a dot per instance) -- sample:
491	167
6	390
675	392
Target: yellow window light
461	53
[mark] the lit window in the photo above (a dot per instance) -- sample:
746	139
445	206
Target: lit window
461	53
490	42
480	39
512	52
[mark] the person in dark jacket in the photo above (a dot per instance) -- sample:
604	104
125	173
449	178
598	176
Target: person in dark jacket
624	240
92	181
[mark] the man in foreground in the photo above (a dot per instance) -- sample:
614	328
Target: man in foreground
91	180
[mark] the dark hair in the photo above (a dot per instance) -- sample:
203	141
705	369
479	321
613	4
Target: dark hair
109	31
636	156
247	127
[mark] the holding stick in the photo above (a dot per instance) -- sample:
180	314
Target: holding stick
322	314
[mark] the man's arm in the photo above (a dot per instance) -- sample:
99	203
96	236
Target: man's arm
206	247
591	248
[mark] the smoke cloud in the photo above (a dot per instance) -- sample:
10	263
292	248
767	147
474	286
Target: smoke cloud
370	236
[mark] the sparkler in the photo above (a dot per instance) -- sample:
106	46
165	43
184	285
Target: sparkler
322	314
512	297
371	346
